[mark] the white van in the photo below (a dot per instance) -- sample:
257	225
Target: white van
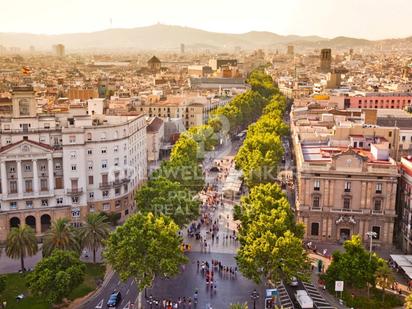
304	299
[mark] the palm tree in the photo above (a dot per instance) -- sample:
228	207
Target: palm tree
94	232
384	278
60	236
21	242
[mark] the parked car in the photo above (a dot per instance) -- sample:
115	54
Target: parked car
114	299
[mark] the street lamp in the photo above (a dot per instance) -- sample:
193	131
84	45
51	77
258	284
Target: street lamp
371	236
254	296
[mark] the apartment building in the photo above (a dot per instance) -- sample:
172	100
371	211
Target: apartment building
404	220
65	165
393	100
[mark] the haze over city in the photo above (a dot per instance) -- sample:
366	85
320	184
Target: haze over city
368	19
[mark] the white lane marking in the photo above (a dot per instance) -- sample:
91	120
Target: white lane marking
100	304
127	306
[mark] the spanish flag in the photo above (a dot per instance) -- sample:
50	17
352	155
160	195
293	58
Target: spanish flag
25	70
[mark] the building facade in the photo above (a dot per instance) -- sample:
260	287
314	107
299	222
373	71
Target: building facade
404	205
65	166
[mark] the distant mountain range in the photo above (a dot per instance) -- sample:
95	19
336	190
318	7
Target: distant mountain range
165	37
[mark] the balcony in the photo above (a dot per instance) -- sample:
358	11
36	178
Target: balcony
377	212
74	191
126	180
117	183
348	210
316	208
105	185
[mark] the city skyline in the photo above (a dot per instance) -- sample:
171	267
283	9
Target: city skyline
317	17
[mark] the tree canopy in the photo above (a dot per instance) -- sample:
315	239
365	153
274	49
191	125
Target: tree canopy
145	247
271	244
356	267
21	242
162	196
54	277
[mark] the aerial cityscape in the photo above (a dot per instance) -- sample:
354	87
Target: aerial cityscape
220	155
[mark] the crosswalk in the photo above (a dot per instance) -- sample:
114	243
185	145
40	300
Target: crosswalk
284	298
318	299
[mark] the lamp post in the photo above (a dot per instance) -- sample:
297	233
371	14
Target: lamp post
371	236
254	296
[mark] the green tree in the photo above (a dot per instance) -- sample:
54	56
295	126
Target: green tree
94	232
356	267
2	284
408	301
111	217
185	150
384	278
271	244
204	135
60	236
54	277
188	174
162	196
21	242
145	247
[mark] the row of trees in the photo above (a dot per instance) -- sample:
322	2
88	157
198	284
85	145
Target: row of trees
271	242
147	245
60	267
262	149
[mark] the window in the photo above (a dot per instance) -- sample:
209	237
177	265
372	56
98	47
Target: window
316	202
91	180
29	186
378	187
117	191
377	207
360	144
403	138
76	212
117	204
27	168
116	148
105	193
58	166
72	139
104	150
347	186
90	165
89	151
316	185
73	155
75	200
104	163
314	229
12	169
377	230
103	136
106	206
47	125
42	167
29	204
13	186
44	202
116	161
13	205
390	133
59	201
74	167
59	182
91	195
43	184
89	136
346	203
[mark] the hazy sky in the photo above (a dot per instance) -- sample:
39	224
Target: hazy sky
372	19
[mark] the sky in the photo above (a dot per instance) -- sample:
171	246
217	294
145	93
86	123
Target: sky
370	19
